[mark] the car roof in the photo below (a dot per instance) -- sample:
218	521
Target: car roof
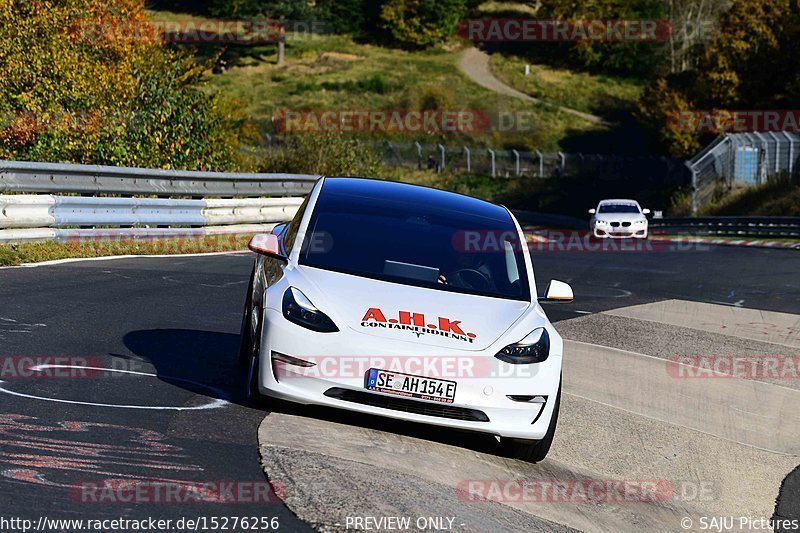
619	201
414	194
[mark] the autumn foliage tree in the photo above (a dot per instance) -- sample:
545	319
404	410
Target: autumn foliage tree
90	81
421	23
749	63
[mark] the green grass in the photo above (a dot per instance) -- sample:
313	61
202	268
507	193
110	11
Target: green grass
506	8
328	72
780	197
36	252
590	93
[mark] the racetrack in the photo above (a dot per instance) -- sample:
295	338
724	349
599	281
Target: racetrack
172	411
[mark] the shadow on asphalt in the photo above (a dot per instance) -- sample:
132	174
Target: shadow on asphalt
206	363
787	505
202	362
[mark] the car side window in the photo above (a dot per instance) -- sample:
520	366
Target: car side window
290	234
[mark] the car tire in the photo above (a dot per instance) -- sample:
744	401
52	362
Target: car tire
253	395
250	347
245	337
533	451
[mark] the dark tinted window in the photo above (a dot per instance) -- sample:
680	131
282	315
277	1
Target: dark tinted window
294	226
444	243
618	208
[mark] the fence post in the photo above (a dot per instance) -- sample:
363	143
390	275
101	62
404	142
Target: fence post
444	153
694	187
390	152
494	163
281	50
777	151
419	155
516	162
791	153
541	163
563	161
469	159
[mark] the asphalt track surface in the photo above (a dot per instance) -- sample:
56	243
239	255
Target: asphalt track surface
172	410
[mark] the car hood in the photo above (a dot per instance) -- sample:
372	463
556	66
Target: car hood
620	217
406	313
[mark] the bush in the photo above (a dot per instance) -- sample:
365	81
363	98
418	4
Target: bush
326	154
351	16
272	9
77	86
421	23
780	196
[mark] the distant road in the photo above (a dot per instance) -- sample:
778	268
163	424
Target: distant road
475	64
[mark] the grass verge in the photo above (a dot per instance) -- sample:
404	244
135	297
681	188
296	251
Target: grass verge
590	93
37	252
779	197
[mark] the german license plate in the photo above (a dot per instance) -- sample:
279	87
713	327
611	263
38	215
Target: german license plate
432	389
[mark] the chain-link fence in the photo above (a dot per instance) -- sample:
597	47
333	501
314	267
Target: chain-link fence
640	171
519	163
741	159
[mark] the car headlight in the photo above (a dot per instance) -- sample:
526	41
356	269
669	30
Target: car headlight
601	222
298	308
534	348
641	222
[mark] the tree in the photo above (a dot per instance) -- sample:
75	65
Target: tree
90	81
641	58
271	9
748	63
421	23
351	16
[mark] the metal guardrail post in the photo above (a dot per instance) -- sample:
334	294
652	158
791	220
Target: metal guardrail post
494	163
444	154
563	161
516	162
419	155
469	159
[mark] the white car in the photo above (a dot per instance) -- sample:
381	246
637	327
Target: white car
619	219
406	302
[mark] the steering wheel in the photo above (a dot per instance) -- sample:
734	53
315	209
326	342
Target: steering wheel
470	278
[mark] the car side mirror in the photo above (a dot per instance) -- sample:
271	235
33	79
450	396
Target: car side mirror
592	211
645	211
267	244
557	291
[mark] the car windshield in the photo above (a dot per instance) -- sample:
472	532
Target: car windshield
618	208
427	244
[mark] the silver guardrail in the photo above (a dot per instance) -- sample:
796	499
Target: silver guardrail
26	217
73	207
756	227
24	176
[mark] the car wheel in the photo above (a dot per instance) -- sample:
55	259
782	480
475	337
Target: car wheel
533	451
254	396
250	349
245	334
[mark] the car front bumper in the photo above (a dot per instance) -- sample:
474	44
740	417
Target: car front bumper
631	232
337	380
